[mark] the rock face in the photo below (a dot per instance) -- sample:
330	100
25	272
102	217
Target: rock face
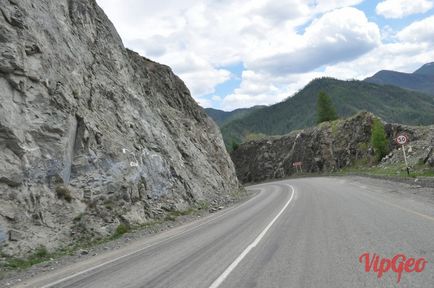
419	151
326	147
91	134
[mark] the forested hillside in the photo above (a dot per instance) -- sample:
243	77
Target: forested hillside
393	104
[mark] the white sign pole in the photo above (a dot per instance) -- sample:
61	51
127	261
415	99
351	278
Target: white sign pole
405	159
402	139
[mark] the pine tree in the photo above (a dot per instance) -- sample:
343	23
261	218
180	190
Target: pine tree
325	109
378	139
234	145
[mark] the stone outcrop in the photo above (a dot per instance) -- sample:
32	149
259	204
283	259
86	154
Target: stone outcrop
91	134
327	147
419	151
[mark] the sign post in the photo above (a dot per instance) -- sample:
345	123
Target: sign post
297	165
402	139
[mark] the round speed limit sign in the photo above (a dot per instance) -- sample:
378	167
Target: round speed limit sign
402	139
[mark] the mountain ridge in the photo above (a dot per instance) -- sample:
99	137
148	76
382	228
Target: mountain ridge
421	80
222	117
391	103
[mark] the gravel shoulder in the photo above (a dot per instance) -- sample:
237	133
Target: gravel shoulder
418	189
14	277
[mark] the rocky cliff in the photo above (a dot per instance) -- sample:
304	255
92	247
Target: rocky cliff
91	134
328	147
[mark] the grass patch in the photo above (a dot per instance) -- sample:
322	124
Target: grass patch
240	193
334	126
202	205
390	171
40	255
171	216
121	230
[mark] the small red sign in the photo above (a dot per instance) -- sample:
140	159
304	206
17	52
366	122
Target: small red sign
297	164
402	139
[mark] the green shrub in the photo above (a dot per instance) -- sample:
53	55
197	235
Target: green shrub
334	126
169	217
39	255
175	214
121	229
379	140
202	205
234	145
41	252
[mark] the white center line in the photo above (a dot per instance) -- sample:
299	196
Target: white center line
252	245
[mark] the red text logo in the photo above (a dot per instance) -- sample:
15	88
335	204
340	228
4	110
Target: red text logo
398	264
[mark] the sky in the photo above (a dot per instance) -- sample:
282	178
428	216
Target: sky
240	53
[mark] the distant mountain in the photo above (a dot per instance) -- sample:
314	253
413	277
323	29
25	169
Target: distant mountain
222	117
421	80
427	69
393	104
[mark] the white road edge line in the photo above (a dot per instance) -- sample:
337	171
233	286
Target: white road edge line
252	245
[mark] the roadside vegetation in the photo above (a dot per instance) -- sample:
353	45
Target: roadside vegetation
42	254
393	171
379	140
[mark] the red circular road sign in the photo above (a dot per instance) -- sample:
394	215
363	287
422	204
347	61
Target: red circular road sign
402	139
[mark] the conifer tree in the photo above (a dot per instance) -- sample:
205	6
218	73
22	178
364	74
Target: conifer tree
325	109
378	139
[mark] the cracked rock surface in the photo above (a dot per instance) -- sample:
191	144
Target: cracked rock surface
328	147
92	134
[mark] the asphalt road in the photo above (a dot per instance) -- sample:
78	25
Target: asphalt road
297	233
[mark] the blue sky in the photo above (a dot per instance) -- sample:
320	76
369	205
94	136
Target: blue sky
240	53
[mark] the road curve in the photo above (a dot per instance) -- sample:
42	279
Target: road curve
306	232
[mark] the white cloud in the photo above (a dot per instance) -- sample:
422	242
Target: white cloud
413	47
277	11
265	89
282	44
321	6
205	103
420	31
197	37
402	55
402	8
199	75
337	36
